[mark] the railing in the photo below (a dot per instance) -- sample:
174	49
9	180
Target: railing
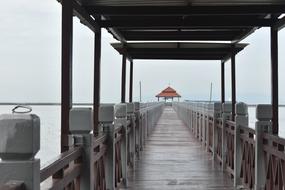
248	156
70	163
230	140
219	135
253	157
92	162
100	149
210	134
274	161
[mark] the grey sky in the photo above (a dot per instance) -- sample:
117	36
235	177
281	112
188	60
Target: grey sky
30	43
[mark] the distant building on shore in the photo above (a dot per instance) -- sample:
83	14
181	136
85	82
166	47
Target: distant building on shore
168	93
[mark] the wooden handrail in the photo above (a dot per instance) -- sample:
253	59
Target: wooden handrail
60	162
98	140
274	138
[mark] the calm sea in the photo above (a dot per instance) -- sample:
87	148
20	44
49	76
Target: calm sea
50	128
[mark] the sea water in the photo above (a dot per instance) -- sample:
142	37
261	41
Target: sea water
50	128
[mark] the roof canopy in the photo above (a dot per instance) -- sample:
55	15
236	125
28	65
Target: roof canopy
171	50
168	93
177	20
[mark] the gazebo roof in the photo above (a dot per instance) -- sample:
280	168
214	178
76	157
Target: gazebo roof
168	93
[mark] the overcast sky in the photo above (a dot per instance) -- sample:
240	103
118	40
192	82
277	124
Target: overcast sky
30	42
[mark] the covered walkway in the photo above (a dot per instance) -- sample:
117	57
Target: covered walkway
173	159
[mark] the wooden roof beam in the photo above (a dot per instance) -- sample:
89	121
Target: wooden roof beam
186	10
191	23
84	17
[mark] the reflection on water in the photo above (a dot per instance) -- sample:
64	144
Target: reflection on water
50	128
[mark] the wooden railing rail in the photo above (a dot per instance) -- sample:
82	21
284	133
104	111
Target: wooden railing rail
64	159
230	138
100	149
118	133
247	174
274	161
219	135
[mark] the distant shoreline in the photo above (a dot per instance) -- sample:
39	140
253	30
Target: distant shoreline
76	104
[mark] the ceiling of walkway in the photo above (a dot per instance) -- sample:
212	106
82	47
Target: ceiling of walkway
180	20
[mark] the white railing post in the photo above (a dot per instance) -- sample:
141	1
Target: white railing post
241	119
106	119
132	135
226	115
262	125
121	120
81	125
138	131
19	143
216	114
207	112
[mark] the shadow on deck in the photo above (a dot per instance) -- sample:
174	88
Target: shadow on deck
174	159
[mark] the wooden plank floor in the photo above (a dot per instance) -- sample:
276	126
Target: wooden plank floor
174	159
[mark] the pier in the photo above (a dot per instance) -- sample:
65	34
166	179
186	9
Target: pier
157	145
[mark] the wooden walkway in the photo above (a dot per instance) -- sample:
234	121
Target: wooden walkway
174	159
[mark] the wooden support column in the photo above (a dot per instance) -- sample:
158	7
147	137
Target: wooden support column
66	70
123	85
274	79
233	70
131	81
97	79
223	82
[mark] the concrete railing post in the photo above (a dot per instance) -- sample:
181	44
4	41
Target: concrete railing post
132	134
202	117
200	121
106	119
81	125
216	114
226	115
262	125
241	119
121	120
138	143
19	143
206	126
208	112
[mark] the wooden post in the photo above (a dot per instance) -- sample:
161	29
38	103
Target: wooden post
97	79
274	79
223	82
123	84
66	70
233	69
131	81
